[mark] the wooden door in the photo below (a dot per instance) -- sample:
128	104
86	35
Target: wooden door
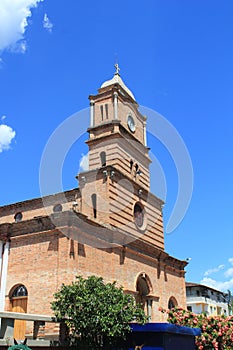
19	304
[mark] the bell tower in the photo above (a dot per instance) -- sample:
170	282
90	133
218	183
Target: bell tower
115	191
118	131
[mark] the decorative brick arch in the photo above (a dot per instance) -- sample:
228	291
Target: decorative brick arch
145	282
143	286
143	290
18	290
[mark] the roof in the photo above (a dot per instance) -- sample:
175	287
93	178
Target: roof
192	284
38	201
117	80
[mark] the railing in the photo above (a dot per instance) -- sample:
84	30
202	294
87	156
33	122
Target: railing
197	299
205	300
38	335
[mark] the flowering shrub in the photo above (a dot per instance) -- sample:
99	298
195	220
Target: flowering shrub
217	331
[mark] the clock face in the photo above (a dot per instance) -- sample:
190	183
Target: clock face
131	123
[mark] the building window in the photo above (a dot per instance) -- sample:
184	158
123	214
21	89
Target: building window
172	303
57	208
138	215
18	217
143	288
94	205
189	308
131	164
149	308
102	112
103	158
106	111
20	291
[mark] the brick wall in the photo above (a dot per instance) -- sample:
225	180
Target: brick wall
45	260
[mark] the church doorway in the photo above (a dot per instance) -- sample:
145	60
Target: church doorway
19	298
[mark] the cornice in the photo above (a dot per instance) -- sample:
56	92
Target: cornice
77	226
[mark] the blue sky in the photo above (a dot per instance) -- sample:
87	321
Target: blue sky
176	57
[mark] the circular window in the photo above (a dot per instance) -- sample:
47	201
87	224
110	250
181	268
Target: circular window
139	216
18	217
57	208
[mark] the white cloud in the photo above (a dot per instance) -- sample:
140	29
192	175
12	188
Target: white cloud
84	163
14	16
20	47
47	24
214	270
7	134
225	281
219	285
229	272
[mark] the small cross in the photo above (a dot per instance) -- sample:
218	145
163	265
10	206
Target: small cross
117	69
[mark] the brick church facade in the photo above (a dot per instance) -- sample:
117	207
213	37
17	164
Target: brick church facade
110	226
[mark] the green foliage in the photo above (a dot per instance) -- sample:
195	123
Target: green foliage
96	313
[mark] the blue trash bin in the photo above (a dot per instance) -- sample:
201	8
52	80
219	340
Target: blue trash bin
161	336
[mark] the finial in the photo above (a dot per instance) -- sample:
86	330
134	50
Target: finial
117	69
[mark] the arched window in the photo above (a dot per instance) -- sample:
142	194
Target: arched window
106	110
131	164
103	158
20	291
138	215
172	302
94	205
102	112
18	217
143	288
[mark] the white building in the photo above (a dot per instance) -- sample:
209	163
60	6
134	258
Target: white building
200	298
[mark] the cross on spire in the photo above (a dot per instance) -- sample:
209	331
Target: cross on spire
117	69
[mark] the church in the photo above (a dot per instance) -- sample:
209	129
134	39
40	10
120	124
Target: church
111	225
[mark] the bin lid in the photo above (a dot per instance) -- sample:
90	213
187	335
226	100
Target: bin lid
165	328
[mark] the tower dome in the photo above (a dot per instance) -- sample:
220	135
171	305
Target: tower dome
117	80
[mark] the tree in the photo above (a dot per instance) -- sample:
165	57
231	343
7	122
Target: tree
96	313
